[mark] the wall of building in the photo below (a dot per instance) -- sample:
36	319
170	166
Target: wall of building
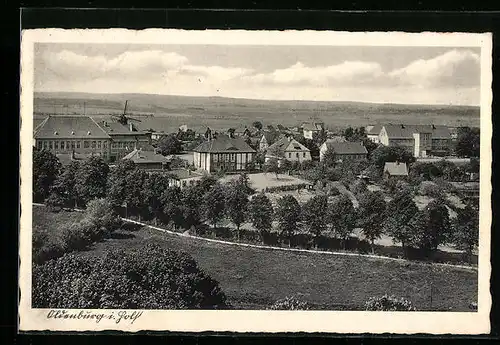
68	145
297	156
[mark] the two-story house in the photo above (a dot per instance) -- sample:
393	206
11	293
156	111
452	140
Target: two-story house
288	149
344	151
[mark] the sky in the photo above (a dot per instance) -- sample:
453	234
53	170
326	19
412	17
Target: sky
408	75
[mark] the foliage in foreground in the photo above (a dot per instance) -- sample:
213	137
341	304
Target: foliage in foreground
289	303
389	303
149	278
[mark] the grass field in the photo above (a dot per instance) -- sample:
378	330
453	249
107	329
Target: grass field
255	278
219	113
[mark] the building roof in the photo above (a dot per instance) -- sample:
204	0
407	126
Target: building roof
335	139
139	156
406	131
68	126
271	136
113	127
396	169
285	144
347	148
182	174
223	143
373	130
312	126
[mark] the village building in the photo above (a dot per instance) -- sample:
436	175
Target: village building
183	177
344	150
79	135
222	153
395	170
149	160
288	149
310	129
420	140
373	132
268	138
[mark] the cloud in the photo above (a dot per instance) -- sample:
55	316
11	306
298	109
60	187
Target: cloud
347	72
453	68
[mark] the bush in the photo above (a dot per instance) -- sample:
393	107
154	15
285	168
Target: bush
101	213
289	303
43	248
388	303
146	278
76	236
332	191
358	187
430	189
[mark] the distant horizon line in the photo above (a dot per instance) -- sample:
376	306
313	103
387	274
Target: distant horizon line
258	99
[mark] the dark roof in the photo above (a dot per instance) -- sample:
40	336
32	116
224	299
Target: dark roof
406	131
271	137
396	169
113	127
69	126
223	143
345	148
374	130
335	139
279	148
140	156
312	126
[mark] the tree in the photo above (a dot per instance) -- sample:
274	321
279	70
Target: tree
468	142
46	169
171	199
383	154
206	182
372	212
135	193
154	189
400	210
429	227
260	213
236	204
191	199
288	215
341	217
169	145
101	214
63	192
257	125
289	303
213	204
465	235
313	215
116	185
272	166
146	278
91	179
427	171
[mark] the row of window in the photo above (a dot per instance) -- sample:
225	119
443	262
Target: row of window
296	155
229	157
70	145
122	144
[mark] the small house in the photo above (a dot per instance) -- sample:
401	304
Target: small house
288	149
344	150
148	160
395	170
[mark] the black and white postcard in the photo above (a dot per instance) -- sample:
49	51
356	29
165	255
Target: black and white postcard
255	181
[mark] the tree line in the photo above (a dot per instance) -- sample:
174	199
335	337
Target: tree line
149	196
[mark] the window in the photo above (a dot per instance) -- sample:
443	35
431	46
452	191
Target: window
297	155
93	144
45	145
62	145
78	144
56	145
98	144
105	144
72	145
39	145
86	144
68	144
289	155
304	154
215	158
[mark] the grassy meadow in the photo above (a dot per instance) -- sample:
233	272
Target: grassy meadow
255	278
167	113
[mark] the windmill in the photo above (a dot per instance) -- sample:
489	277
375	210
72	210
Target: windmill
123	118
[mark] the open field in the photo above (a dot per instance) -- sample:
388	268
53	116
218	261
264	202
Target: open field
260	181
254	278
219	113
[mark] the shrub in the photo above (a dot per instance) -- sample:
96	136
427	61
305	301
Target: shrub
358	187
76	236
289	303
332	191
101	213
43	248
430	189
388	303
146	278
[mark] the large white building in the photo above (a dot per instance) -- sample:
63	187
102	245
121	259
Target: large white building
223	153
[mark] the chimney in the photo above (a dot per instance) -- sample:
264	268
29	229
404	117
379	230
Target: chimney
402	126
433	126
131	127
